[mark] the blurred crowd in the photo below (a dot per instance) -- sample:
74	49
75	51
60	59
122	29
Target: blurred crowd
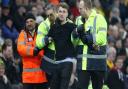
12	14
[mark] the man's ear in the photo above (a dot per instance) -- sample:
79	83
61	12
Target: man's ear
86	8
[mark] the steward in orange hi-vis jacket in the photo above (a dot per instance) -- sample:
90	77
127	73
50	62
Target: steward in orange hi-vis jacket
31	56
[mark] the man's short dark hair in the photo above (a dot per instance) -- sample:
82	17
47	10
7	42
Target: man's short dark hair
63	5
50	6
88	3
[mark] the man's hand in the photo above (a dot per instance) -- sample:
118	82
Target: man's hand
36	51
48	40
75	33
80	29
96	47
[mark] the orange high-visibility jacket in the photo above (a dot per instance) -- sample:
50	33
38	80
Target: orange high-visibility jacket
31	64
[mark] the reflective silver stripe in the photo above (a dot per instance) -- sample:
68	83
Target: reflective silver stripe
48	59
22	43
40	33
94	30
102	29
92	56
77	20
47	27
28	50
61	61
66	60
31	69
25	36
43	41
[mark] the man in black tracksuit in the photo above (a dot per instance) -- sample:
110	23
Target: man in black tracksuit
60	32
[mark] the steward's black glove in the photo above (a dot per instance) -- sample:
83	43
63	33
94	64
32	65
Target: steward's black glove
36	51
87	39
75	33
47	40
80	29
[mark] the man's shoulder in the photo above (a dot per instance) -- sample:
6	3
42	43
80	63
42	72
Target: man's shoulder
100	17
45	22
78	17
42	23
101	21
70	25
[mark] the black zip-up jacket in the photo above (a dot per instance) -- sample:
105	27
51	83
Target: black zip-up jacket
4	85
61	35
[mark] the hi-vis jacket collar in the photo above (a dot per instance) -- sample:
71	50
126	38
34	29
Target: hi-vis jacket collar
93	13
48	21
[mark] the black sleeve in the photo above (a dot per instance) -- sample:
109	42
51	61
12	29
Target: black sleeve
51	31
53	28
86	38
73	27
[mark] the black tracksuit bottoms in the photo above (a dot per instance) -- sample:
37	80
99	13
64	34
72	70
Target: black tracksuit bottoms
61	76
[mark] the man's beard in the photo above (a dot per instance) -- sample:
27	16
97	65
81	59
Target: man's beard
30	28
